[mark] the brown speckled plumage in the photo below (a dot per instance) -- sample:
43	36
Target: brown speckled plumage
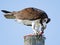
30	14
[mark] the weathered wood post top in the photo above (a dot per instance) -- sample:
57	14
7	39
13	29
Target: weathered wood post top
34	40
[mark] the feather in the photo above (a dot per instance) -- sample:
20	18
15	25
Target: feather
9	16
5	11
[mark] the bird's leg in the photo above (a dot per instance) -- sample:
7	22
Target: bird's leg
35	28
43	28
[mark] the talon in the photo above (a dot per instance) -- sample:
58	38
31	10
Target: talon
41	33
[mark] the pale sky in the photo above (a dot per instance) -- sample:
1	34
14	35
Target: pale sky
12	33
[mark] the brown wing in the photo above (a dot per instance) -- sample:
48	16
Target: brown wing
29	14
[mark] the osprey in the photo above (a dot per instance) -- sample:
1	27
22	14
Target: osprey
31	17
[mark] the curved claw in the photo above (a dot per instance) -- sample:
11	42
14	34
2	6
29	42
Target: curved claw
41	33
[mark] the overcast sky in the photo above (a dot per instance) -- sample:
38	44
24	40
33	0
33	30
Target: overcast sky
12	32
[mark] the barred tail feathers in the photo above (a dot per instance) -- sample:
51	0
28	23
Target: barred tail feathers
9	16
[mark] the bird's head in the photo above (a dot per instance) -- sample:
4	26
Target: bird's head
44	20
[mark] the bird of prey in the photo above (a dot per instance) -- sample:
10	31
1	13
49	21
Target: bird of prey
31	16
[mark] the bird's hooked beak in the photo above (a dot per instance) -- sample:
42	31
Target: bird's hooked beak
48	20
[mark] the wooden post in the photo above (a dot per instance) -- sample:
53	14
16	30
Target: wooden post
34	40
